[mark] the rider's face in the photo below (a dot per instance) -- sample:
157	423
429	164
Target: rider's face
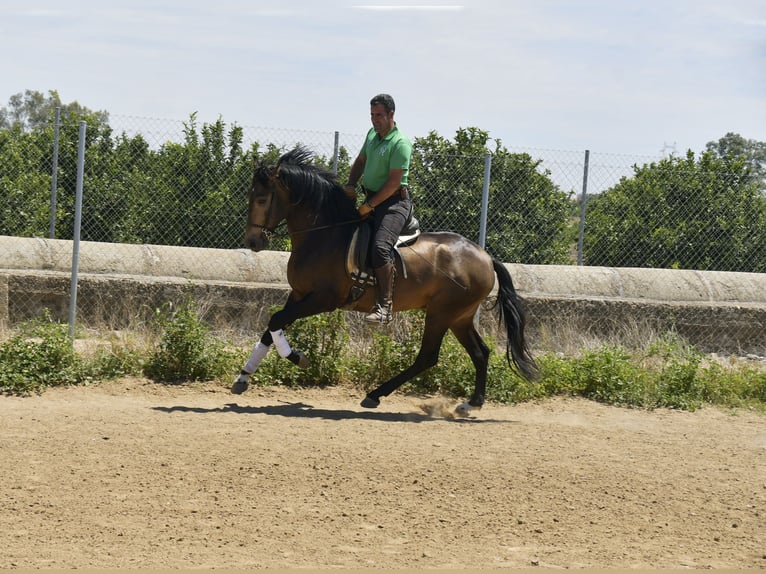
382	121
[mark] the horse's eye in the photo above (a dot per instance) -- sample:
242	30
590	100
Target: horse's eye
261	201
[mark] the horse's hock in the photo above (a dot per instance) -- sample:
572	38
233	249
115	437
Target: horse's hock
120	284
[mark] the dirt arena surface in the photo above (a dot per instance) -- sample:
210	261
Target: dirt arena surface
132	474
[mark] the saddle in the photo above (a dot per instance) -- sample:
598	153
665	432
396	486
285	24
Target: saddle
359	255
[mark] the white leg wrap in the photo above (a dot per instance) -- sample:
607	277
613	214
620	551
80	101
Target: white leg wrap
259	352
280	342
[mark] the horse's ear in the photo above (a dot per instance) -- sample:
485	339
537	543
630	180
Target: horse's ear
262	172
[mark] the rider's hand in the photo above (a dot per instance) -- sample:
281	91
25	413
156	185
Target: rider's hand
350	191
365	209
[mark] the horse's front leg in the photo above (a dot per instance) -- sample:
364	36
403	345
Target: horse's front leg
274	336
259	352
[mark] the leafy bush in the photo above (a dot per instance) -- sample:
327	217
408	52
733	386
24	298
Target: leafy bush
392	352
119	361
668	374
187	351
722	211
40	355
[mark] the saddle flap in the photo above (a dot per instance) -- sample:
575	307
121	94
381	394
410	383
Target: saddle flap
359	247
358	254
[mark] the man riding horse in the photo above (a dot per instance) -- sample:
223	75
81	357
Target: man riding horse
383	165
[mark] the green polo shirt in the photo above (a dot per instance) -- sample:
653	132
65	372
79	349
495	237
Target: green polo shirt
384	154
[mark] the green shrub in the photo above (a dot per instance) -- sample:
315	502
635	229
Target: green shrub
608	375
392	352
669	373
383	359
116	362
750	385
40	355
187	350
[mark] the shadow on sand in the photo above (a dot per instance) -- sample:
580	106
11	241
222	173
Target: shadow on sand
303	410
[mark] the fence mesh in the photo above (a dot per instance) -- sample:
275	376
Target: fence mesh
179	183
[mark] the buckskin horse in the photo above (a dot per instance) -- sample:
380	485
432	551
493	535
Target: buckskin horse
442	273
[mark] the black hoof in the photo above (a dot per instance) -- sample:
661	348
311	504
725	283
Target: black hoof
370	402
298	358
239	387
477	402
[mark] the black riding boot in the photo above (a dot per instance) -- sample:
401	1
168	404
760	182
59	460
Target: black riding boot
382	312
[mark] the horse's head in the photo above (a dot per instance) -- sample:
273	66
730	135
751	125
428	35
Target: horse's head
267	207
297	191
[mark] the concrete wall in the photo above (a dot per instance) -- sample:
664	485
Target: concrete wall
119	284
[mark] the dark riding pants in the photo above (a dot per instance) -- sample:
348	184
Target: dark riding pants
389	220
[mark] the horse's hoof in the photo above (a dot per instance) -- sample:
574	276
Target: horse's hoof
477	401
464	410
299	358
370	402
240	385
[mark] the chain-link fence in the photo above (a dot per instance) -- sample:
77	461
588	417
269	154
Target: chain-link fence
182	183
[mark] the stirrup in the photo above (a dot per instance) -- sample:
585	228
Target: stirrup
380	314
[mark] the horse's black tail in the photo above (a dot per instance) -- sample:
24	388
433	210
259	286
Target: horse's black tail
512	315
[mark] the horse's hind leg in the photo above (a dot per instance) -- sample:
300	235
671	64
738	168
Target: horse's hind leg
433	333
478	350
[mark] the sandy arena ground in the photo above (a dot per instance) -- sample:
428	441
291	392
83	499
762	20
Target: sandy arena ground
133	474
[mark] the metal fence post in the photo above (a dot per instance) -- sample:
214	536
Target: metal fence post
55	173
485	200
583	200
77	225
483	221
335	154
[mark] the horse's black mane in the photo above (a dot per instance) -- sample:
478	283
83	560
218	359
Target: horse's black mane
313	186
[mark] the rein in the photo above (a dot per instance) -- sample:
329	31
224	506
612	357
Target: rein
269	231
320	227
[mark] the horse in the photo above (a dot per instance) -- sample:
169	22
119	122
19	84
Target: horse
443	273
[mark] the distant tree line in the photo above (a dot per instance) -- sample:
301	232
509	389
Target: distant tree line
705	211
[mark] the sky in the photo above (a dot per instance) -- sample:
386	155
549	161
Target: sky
646	77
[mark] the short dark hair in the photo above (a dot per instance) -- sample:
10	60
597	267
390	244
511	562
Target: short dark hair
384	99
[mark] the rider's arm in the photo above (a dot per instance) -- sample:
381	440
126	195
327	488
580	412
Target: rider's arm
357	169
392	185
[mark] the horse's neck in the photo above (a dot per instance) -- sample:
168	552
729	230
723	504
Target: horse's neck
303	227
308	229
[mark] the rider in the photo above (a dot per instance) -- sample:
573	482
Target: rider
383	165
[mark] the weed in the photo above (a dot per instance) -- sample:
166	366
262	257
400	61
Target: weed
39	355
187	350
666	373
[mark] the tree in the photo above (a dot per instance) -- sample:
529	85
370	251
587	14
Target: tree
26	150
25	182
527	219
33	109
702	213
735	146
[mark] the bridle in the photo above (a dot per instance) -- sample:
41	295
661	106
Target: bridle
267	231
